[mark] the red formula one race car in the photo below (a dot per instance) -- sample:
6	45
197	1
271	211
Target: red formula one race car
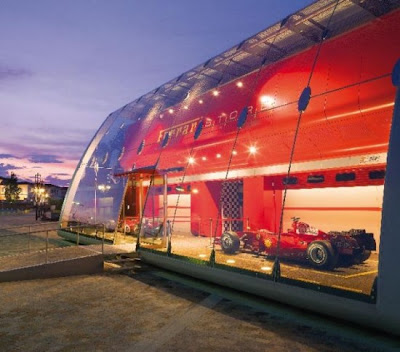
132	227
303	242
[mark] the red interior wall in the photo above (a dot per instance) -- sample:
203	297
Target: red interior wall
261	204
204	206
272	209
253	202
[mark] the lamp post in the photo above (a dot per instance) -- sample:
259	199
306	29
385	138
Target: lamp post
40	195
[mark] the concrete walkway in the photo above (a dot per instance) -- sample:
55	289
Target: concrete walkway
135	307
139	308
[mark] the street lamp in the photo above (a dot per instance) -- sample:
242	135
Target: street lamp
39	194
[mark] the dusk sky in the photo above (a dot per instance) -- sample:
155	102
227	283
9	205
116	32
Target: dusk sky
65	65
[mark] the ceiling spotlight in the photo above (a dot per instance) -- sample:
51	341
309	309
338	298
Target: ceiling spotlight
234	152
239	84
215	93
161	116
186	107
266	101
203	158
195	190
191	160
252	150
171	111
201	101
218	155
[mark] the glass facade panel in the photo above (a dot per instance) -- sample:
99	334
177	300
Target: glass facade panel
290	196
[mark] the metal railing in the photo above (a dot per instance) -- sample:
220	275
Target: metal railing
35	247
82	229
29	226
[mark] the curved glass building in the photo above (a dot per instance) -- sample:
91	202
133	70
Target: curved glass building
270	167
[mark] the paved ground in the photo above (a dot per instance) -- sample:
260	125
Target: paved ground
140	308
135	307
18	220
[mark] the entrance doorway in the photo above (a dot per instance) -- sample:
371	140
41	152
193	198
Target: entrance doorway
144	209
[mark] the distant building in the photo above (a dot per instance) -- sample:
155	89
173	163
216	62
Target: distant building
27	191
55	192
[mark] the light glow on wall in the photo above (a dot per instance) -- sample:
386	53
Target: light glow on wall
266	101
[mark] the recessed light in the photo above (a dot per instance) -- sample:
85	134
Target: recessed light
252	150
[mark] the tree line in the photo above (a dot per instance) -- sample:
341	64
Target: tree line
11	188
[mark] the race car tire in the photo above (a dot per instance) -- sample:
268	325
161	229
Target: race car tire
127	228
362	257
321	255
136	230
230	242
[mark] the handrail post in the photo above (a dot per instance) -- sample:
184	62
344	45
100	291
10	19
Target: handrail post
47	246
169	233
102	242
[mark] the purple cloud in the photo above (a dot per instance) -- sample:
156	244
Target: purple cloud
44	158
13	73
8	156
71	146
5	168
54	180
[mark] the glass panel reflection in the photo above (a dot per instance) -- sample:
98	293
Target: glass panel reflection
223	170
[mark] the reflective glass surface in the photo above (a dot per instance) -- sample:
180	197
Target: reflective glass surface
276	173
